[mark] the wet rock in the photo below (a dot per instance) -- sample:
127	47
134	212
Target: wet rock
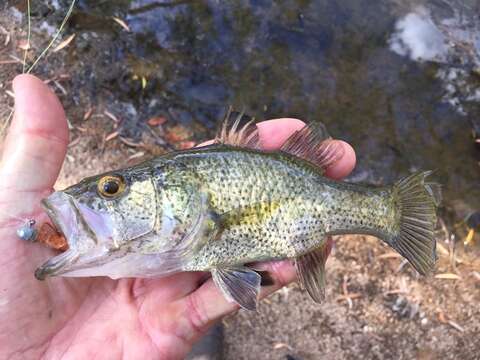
402	307
473	221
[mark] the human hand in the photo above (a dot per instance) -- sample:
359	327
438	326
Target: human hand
96	317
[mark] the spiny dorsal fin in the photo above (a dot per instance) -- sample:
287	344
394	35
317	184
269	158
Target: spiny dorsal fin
231	134
311	270
312	143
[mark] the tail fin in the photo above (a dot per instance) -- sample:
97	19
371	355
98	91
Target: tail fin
416	202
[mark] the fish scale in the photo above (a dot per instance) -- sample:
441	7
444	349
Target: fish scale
296	226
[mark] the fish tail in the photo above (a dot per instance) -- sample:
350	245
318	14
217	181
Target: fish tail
415	204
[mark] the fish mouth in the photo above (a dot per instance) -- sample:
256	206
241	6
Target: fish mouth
71	220
61	212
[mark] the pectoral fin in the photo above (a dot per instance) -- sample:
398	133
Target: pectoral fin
311	271
240	285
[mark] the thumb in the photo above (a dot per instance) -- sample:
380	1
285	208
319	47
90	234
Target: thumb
36	143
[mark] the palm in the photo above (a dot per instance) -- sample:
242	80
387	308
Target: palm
131	318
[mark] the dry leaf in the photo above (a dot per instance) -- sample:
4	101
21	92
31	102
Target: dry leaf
177	133
111	116
157	121
184	145
469	237
476	274
64	43
130	142
441	317
137	155
390	255
111	136
349	296
442	249
7	39
24	45
7	62
88	114
122	23
456	326
62	89
448	276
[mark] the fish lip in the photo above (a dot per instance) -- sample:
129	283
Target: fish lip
55	214
60	217
69	218
56	265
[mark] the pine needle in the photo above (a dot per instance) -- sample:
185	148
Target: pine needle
29	36
55	37
4	125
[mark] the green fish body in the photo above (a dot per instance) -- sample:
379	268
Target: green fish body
221	207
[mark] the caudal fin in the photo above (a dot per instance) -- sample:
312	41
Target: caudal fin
416	202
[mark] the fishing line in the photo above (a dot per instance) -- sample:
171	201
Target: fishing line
27	230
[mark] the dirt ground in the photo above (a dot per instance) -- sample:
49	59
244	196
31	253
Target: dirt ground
376	307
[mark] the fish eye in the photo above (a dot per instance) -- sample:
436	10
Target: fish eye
111	186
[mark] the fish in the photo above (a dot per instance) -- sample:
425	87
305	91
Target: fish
225	207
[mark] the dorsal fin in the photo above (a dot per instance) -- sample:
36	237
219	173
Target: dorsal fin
313	144
231	134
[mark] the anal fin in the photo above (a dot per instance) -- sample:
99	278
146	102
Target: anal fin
239	284
311	270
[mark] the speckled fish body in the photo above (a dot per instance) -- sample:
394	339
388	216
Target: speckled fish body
275	206
220	207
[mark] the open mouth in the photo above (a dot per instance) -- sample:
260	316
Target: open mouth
59	209
87	232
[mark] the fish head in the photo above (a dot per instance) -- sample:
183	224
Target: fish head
100	217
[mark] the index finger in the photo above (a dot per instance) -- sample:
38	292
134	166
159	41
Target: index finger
273	133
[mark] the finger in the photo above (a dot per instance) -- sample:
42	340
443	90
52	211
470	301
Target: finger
166	289
274	133
345	164
207	305
37	140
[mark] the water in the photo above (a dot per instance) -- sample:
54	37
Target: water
399	82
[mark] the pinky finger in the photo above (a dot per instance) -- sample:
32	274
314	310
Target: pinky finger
207	305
